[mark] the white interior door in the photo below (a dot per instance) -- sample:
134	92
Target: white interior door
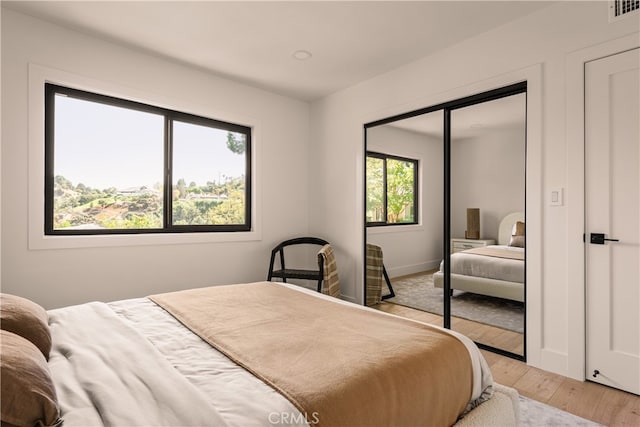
612	220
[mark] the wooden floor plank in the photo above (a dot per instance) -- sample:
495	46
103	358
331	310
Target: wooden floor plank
577	396
506	371
617	408
538	384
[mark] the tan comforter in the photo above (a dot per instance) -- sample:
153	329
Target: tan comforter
330	360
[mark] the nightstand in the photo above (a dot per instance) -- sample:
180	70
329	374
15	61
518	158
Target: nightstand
458	245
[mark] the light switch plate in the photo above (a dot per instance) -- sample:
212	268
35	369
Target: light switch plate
556	197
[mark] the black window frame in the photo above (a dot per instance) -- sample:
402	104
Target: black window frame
384	157
51	90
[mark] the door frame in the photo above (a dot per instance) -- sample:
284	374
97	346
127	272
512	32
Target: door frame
575	85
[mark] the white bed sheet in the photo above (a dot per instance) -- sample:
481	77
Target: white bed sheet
239	397
107	374
469	264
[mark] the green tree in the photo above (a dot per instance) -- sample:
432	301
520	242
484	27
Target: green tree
132	221
400	189
186	213
375	189
236	145
232	209
62	182
182	188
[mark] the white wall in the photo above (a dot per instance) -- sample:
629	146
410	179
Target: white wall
487	172
546	37
57	277
410	249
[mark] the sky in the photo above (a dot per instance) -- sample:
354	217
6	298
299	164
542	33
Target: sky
103	146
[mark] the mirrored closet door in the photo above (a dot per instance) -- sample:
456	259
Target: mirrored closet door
404	208
445	208
487	190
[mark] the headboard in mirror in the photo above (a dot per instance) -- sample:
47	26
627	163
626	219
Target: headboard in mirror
506	225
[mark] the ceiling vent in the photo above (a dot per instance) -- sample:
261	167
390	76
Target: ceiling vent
622	8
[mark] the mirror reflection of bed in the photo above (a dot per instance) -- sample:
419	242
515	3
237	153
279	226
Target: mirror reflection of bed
487	282
487	285
487	171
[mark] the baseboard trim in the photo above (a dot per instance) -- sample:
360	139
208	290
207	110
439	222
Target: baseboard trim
405	270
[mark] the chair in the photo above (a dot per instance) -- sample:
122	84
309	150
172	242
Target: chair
376	272
391	293
290	273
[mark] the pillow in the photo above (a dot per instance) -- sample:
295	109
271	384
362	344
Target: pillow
518	229
28	393
27	319
517	235
517	241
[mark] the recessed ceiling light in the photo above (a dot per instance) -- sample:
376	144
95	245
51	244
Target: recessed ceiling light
302	55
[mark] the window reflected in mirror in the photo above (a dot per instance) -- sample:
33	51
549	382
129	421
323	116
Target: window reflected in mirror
392	189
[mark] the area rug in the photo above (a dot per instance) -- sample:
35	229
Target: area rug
418	291
537	414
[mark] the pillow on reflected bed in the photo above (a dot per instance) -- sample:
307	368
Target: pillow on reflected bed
517	235
28	393
26	318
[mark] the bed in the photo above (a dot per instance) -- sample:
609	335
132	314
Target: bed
234	356
496	270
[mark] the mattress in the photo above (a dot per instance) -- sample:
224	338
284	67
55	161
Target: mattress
130	362
491	267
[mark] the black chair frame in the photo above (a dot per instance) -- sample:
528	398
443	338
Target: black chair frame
391	293
291	273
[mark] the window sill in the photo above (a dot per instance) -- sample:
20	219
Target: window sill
384	229
69	242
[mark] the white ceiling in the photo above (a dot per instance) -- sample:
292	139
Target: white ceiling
253	42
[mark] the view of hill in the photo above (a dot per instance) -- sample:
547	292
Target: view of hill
79	206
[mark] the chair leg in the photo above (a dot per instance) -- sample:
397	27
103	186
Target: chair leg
391	293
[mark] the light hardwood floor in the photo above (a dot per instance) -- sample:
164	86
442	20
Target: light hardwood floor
589	400
490	335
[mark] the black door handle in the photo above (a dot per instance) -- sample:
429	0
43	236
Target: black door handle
598	239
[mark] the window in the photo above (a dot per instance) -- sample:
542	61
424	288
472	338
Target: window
392	190
114	166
